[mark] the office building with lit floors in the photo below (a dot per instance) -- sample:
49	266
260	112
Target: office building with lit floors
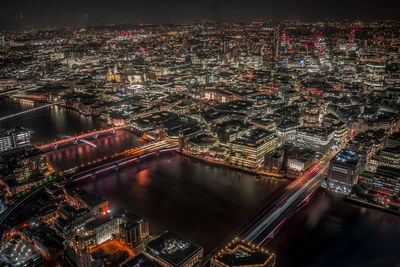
318	139
249	149
170	250
343	172
241	253
14	138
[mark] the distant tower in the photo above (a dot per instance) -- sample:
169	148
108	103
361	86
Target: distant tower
181	141
277	43
162	132
352	35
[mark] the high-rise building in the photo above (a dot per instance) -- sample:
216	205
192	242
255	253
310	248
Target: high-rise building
343	172
277	44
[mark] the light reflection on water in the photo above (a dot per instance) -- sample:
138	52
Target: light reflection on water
198	201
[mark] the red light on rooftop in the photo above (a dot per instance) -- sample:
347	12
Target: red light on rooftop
319	92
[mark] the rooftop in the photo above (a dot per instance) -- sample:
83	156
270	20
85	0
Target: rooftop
173	249
346	156
254	137
140	260
241	253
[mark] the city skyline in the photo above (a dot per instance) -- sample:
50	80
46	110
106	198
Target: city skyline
264	142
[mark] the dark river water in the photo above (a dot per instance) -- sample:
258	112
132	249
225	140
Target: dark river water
49	123
200	202
330	231
82	154
206	204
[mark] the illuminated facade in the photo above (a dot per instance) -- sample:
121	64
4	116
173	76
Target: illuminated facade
311	116
318	139
374	75
99	230
343	172
14	138
249	149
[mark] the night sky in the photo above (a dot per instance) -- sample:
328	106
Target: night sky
24	13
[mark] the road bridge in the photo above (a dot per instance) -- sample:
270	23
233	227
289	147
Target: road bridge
139	153
85	136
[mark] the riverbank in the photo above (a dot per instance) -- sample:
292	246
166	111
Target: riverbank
371	205
252	172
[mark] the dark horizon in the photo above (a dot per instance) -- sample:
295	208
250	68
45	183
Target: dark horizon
43	13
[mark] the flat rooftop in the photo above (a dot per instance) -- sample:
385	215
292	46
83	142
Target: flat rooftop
173	249
140	260
242	253
254	137
346	156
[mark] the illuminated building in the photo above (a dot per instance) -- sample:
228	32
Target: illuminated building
170	250
249	149
286	132
17	252
374	75
200	144
113	77
101	229
77	257
140	260
385	178
3	206
218	95
22	163
343	172
133	229
230	130
263	122
241	253
318	139
81	199
274	160
14	138
300	162
390	157
311	116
